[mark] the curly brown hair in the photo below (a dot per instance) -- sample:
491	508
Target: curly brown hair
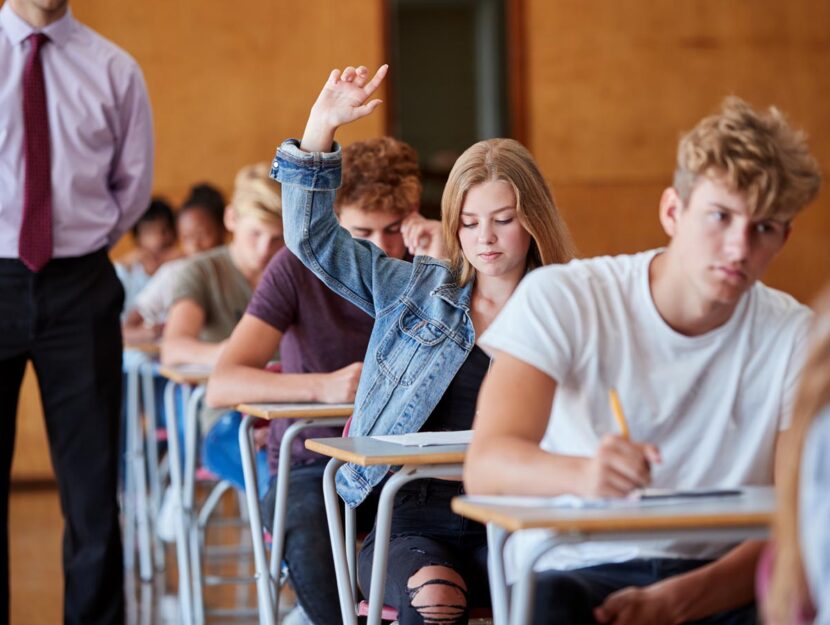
380	174
759	154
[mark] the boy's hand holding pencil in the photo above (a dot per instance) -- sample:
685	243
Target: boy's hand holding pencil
619	465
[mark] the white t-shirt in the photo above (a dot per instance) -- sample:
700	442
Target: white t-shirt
153	302
713	404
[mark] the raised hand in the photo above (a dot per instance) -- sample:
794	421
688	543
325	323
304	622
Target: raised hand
423	236
344	99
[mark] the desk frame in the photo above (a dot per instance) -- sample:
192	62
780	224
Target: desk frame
268	578
417	463
516	607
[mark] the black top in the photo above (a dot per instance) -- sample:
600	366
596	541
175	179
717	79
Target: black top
457	407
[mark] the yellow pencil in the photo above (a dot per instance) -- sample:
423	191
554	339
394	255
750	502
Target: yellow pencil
616	408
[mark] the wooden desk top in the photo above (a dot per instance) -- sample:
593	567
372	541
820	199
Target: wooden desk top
754	508
366	451
186	374
296	410
149	348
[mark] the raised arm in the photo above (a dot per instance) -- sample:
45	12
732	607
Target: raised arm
310	173
240	375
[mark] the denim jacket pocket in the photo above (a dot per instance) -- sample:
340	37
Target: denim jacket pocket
408	348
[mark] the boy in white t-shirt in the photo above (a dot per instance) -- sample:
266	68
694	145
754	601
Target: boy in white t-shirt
705	360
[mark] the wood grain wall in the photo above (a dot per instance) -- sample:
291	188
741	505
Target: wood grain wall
610	86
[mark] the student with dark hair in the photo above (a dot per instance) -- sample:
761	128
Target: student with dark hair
201	220
200	226
154	237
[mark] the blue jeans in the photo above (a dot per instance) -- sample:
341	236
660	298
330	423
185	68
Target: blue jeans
307	545
570	596
221	454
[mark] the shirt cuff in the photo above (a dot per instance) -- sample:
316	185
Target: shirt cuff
316	171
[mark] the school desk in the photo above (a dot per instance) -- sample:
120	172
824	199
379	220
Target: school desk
417	463
307	415
713	519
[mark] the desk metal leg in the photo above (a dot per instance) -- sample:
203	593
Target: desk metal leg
383	527
148	386
137	517
191	429
499	592
182	556
265	603
521	603
341	566
281	500
128	493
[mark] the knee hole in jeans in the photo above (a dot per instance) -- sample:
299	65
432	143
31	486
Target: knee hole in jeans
439	595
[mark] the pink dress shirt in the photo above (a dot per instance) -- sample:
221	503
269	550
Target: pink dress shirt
100	130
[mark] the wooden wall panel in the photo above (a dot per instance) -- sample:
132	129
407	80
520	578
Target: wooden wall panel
228	81
612	86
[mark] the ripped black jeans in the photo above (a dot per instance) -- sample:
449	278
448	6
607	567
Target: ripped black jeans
426	532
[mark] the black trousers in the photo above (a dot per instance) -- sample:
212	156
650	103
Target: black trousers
65	319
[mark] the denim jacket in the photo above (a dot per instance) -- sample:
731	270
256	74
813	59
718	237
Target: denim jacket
423	331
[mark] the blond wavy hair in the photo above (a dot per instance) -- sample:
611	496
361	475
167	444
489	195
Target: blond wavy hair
758	154
788	589
256	194
509	161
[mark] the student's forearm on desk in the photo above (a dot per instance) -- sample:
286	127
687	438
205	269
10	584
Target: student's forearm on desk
514	466
230	385
723	585
185	350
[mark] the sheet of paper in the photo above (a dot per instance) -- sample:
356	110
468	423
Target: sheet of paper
644	498
429	439
562	501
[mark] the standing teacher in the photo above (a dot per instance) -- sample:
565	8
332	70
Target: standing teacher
76	159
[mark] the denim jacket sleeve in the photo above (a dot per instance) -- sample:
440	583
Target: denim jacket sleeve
354	269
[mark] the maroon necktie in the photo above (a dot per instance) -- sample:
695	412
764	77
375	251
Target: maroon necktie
35	245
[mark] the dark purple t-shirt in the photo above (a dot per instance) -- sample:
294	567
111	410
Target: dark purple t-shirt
322	332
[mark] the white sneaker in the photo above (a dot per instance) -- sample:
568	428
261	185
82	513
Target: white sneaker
166	519
297	616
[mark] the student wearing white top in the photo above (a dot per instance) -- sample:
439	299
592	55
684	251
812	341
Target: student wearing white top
704	357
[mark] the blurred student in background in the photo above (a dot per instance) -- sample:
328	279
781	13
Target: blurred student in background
154	237
200	226
210	295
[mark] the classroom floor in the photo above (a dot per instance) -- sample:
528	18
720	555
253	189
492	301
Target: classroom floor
35	527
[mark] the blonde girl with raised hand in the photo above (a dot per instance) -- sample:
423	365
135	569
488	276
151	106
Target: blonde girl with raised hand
423	367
